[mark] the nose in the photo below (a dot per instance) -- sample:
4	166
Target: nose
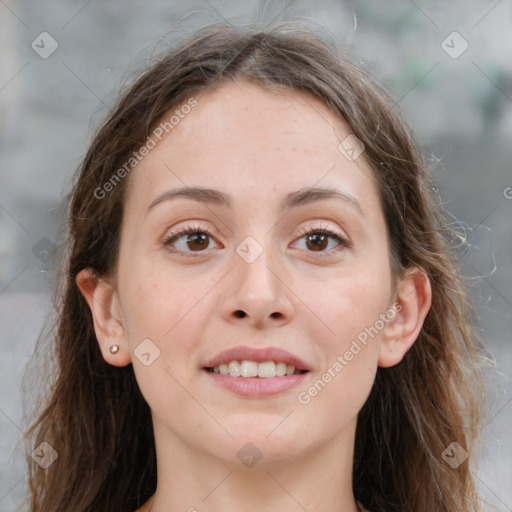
258	294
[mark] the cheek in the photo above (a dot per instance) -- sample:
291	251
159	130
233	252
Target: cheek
348	351
336	395
353	309
155	303
350	302
169	312
173	312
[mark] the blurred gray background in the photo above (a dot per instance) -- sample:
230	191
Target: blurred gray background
449	65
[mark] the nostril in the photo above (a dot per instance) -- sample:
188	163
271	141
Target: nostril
239	313
276	315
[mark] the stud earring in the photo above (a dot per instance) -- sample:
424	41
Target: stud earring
114	349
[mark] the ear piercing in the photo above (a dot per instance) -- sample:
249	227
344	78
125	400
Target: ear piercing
114	349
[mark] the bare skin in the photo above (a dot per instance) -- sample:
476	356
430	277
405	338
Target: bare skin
310	299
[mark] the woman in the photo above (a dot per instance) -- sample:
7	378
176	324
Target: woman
261	310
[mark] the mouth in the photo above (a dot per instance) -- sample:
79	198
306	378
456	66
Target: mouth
252	369
256	372
256	380
251	362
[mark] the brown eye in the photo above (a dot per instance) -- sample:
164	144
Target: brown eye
197	241
317	241
189	241
322	241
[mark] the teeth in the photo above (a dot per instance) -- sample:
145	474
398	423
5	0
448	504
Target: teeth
267	370
234	369
247	369
280	369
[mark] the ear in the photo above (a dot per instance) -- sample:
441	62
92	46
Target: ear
413	300
103	301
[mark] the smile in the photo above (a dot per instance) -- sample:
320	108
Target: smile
247	369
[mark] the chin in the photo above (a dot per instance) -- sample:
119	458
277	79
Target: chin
268	439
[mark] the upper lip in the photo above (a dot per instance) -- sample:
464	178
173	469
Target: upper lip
258	355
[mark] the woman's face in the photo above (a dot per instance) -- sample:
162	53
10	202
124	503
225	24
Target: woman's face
271	262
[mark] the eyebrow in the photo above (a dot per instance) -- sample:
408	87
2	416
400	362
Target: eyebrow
292	200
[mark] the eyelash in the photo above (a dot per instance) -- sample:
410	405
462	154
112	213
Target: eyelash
343	243
186	231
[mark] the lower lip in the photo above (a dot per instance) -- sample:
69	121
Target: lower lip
256	386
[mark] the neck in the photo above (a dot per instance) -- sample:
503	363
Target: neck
190	480
151	501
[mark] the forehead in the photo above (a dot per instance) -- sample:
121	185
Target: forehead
252	143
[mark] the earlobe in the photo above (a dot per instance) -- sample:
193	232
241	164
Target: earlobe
413	301
103	302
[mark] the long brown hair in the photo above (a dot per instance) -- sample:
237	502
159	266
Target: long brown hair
94	415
